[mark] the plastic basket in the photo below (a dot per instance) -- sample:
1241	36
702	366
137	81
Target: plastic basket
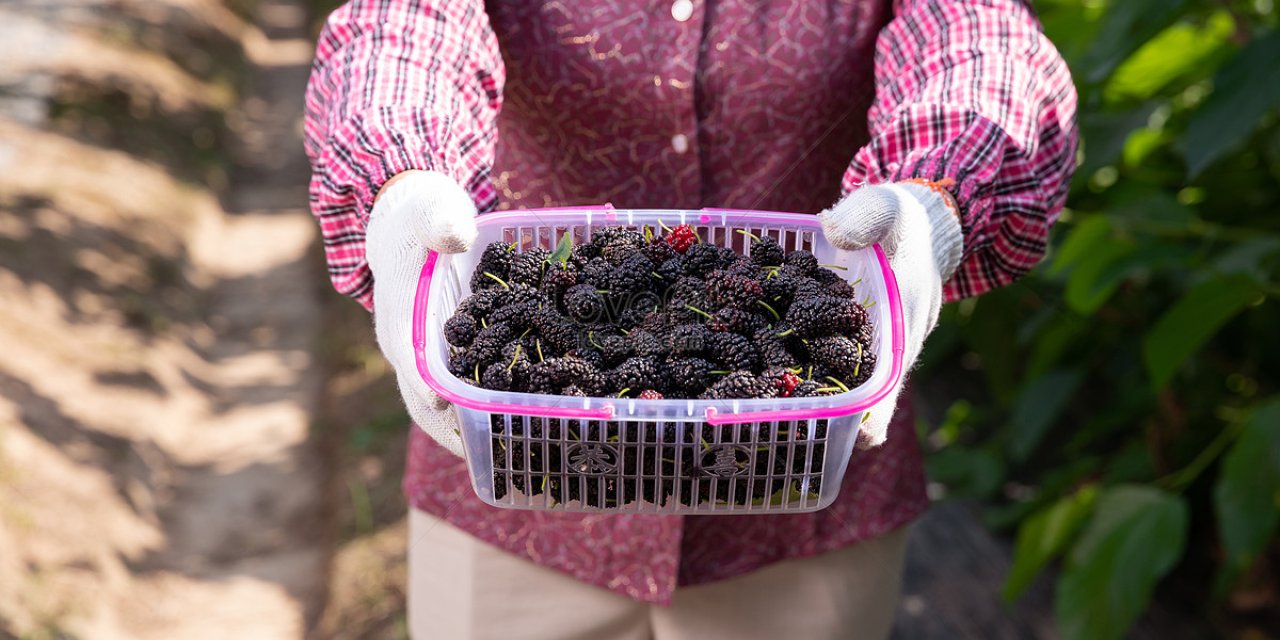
621	455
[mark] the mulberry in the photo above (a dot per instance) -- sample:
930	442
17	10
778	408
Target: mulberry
557	279
734	290
497	377
521	293
682	237
613	349
583	303
766	252
840	355
689	375
659	252
733	351
620	247
689	339
489	342
496	260
460	330
802	260
739	384
518	316
632	274
479	304
670	271
596	272
557	373
558	334
701	259
649	394
813	317
773	350
734	320
645	343
528	267
637	373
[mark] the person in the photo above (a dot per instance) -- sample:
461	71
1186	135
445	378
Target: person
945	131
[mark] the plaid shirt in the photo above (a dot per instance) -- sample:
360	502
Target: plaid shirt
736	103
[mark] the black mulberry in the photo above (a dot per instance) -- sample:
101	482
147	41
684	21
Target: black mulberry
739	384
766	252
460	330
637	374
733	351
583	303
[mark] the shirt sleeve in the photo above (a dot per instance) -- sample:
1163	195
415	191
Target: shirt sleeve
396	85
973	92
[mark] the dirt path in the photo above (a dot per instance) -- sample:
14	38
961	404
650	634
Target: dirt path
159	379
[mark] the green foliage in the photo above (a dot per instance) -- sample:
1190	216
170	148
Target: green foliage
1137	405
1247	495
1135	536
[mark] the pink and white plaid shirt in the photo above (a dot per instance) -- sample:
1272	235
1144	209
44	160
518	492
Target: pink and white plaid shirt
780	106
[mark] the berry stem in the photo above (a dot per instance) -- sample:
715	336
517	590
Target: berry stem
655	274
856	282
720	372
623	392
477	372
515	357
771	309
826	389
484	323
500	280
664	226
786	333
868	306
838	383
591	337
748	234
858	367
834	266
698	311
538	343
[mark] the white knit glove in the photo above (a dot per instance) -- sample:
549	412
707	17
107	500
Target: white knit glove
417	212
918	227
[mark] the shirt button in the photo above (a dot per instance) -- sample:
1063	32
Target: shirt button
681	10
680	143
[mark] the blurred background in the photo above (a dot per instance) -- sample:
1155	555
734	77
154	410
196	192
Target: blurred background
198	437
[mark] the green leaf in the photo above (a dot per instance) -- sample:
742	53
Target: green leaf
1105	134
1192	321
1044	535
1083	238
563	250
1244	89
1247	495
1135	537
1171	54
1250	258
1037	407
1097	275
967	472
1124	28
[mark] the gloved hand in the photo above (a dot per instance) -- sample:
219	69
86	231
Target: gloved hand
917	224
416	212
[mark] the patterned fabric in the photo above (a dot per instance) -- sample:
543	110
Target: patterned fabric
746	104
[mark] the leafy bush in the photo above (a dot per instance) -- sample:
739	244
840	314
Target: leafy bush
1131	427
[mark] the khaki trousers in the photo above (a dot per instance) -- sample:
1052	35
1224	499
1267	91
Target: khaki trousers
463	589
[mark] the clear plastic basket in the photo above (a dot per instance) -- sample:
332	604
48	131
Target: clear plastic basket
622	455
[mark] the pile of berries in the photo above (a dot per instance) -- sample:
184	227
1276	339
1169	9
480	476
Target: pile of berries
659	315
